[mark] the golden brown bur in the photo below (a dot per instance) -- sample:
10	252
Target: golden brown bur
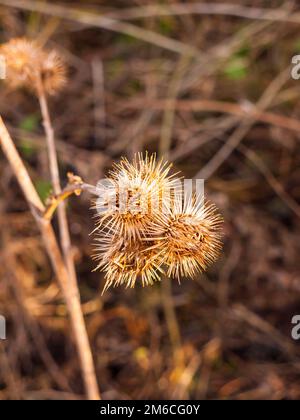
30	66
190	239
139	240
124	262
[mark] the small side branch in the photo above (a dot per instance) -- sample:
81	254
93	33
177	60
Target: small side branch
75	186
69	289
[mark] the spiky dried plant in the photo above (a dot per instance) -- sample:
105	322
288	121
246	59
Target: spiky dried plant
189	236
134	196
44	73
125	261
146	228
29	65
53	72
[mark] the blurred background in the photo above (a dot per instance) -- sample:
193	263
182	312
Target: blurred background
208	85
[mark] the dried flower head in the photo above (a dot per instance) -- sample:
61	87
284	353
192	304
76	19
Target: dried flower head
28	65
125	261
133	197
53	73
190	237
146	228
22	60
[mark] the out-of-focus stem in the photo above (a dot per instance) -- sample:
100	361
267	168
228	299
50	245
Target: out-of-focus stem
164	149
72	188
86	359
170	314
69	288
54	171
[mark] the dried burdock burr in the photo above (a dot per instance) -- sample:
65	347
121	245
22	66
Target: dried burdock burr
53	72
29	66
189	237
124	261
147	228
134	196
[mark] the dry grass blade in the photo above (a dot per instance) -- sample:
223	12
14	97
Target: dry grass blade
238	135
100	21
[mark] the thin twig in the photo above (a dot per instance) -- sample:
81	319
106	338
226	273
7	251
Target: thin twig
65	239
69	289
54	171
237	136
13	283
169	113
207	105
164	148
72	188
8	374
171	318
223	9
273	182
98	96
97	20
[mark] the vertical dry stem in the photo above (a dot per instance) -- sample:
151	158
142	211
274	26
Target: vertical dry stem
54	171
170	315
164	149
69	288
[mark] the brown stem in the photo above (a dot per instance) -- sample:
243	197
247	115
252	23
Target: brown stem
54	171
170	314
69	288
65	239
164	149
72	188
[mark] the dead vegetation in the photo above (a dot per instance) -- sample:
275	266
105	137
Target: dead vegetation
209	86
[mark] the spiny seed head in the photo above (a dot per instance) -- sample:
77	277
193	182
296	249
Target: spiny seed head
190	238
124	262
22	61
28	65
53	73
133	196
153	230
